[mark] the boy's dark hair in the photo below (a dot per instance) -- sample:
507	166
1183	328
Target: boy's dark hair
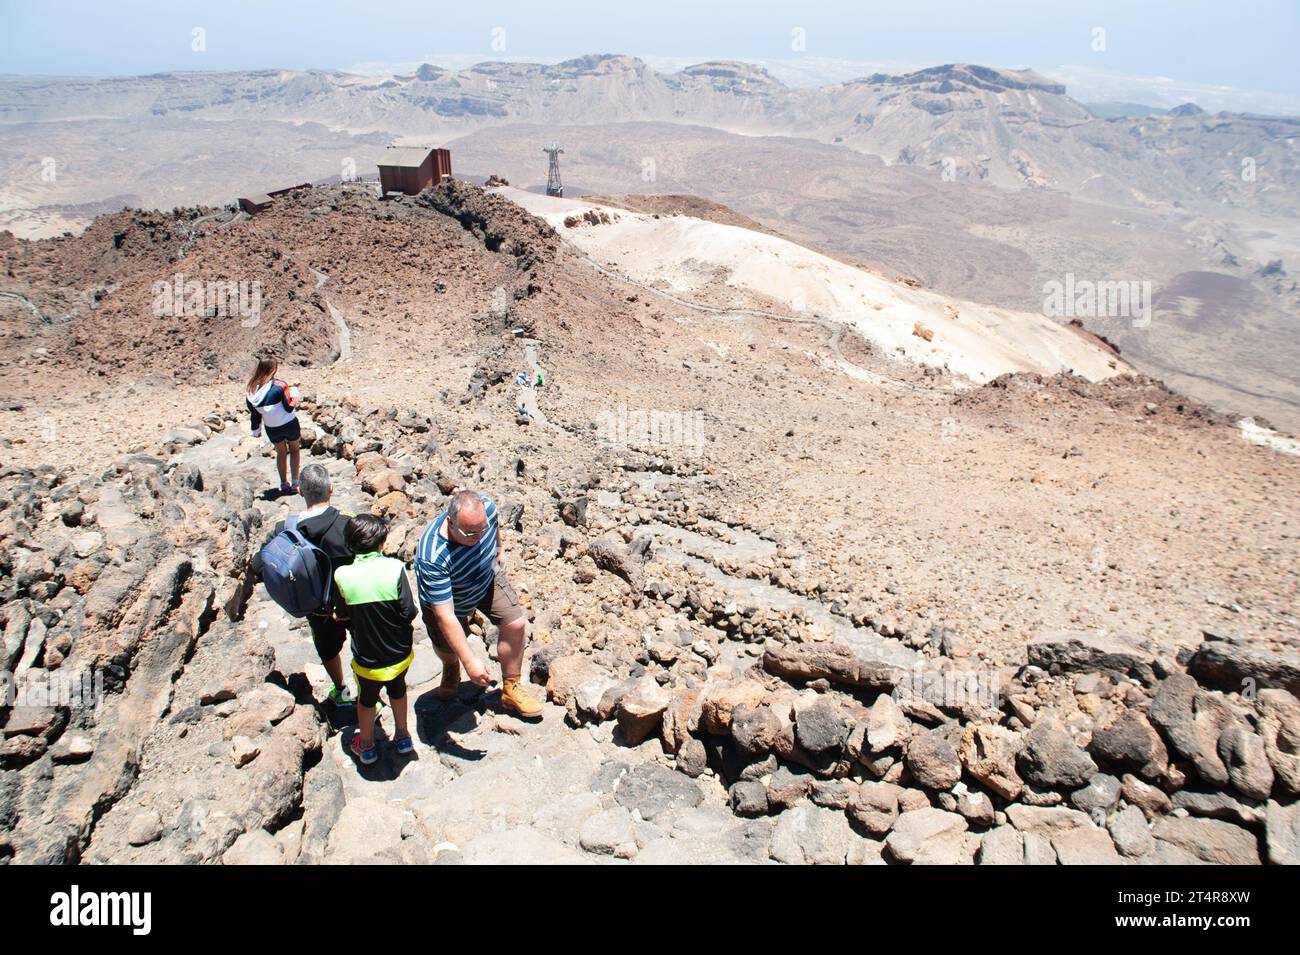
365	532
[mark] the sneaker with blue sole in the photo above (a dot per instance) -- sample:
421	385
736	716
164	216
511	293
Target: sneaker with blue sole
366	755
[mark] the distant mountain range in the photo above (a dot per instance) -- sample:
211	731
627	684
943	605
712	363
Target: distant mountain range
986	181
1013	128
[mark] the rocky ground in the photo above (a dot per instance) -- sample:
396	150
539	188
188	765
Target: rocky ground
872	615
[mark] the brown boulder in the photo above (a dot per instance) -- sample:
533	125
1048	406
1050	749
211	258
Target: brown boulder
640	712
989	754
1192	720
1279	727
567	673
1209	840
381	481
719	701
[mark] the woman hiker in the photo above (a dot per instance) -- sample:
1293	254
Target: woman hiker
273	402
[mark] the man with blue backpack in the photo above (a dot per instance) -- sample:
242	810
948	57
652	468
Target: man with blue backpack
297	566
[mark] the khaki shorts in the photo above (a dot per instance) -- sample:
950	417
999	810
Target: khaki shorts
500	605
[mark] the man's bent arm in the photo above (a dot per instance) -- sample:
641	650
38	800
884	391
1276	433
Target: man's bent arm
452	631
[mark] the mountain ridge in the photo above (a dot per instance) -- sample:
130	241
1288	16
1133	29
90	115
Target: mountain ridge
1015	128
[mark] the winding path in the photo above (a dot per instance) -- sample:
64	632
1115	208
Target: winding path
528	390
28	304
340	323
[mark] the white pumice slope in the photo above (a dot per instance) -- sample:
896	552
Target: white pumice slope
683	255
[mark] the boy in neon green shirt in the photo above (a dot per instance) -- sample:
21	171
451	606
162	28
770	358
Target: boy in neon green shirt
378	598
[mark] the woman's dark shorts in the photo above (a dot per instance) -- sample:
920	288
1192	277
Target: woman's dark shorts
285	432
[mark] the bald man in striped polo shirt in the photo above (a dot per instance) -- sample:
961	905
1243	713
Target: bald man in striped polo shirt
458	572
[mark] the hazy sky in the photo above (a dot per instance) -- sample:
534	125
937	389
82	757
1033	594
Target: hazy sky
1236	43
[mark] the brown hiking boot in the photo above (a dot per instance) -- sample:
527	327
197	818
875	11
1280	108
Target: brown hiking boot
450	685
515	697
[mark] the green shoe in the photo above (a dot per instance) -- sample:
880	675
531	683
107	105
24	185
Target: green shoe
342	696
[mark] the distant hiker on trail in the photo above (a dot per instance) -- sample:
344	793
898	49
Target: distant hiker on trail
458	572
380	607
324	526
271	400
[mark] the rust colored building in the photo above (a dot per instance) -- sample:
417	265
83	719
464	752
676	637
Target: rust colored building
254	204
441	165
411	169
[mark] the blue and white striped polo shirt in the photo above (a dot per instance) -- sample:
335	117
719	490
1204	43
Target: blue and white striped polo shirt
447	572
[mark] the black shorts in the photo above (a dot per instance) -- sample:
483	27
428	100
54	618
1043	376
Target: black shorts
368	694
285	432
327	633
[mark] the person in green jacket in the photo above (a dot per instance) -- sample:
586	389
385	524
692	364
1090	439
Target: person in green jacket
378	598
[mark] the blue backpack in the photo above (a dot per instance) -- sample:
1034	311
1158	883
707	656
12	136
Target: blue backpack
296	572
